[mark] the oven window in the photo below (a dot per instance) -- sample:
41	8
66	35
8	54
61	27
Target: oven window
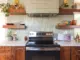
43	58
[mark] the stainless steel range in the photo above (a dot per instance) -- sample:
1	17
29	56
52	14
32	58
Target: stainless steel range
41	46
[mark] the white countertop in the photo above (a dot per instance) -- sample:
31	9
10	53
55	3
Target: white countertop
13	43
70	43
23	43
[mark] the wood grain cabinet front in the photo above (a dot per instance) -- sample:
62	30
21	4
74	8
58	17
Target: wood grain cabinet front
12	53
8	53
19	53
65	53
2	57
75	53
3	53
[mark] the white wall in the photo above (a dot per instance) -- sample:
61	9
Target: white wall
38	24
77	17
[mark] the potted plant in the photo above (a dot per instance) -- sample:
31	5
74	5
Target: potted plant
9	34
4	8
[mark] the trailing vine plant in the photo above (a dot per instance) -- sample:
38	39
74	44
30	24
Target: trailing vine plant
5	8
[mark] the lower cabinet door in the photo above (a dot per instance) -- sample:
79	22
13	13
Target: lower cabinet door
12	53
65	53
75	57
75	53
10	57
78	57
2	57
19	53
9	53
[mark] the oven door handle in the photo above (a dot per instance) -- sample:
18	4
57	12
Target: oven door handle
42	49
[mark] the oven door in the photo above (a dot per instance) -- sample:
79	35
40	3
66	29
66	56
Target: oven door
42	55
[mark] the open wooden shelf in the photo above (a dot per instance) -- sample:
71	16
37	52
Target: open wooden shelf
68	27
16	11
66	11
14	26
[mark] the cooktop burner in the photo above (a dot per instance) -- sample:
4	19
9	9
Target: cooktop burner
41	39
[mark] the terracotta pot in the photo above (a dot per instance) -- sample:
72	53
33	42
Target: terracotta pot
73	22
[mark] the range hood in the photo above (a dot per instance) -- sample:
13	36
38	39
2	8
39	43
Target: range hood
42	8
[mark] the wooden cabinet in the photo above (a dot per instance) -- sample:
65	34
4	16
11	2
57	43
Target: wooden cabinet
8	53
65	53
10	57
19	53
5	53
2	53
2	57
75	53
12	53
